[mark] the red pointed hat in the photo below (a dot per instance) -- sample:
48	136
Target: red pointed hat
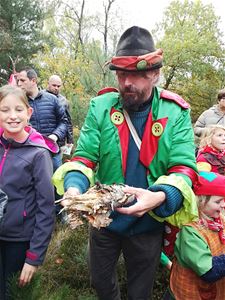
210	184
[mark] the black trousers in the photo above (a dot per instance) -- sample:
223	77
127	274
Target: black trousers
12	258
141	254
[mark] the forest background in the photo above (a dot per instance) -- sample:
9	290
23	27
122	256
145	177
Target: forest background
75	41
72	39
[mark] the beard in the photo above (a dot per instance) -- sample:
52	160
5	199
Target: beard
133	98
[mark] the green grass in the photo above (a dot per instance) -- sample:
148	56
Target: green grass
64	275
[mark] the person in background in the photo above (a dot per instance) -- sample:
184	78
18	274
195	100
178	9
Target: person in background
211	154
212	116
54	87
25	177
65	144
48	117
156	155
198	270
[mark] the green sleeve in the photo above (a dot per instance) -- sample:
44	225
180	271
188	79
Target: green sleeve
89	140
192	251
164	259
182	150
189	211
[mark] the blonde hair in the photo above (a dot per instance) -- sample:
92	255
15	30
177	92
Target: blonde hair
13	90
202	200
207	135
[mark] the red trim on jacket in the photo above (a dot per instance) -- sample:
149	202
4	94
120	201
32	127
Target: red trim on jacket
174	97
124	135
184	170
149	145
107	89
31	255
88	163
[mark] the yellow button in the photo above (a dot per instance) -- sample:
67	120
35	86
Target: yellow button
117	118
157	129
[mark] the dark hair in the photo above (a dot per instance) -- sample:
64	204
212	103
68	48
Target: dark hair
31	73
221	94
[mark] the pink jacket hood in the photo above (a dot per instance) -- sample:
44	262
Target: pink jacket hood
36	139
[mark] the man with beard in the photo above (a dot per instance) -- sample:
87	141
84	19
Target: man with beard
141	136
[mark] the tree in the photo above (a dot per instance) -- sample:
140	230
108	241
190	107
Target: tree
80	30
21	24
108	29
69	69
194	52
77	56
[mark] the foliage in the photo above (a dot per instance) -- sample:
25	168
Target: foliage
189	34
75	75
65	275
81	68
21	23
193	52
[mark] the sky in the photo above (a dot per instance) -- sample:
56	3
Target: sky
145	13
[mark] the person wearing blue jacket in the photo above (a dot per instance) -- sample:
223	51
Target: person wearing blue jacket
27	219
49	116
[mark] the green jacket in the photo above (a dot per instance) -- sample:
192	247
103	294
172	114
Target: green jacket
167	144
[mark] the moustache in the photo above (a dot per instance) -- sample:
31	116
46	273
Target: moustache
129	90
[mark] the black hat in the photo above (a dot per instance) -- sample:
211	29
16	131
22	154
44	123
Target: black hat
136	42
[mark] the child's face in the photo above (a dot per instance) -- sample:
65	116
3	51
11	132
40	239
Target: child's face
13	117
213	207
218	139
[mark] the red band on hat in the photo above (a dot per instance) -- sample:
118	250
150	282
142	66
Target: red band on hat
131	62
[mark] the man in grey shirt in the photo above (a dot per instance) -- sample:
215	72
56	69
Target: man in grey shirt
213	115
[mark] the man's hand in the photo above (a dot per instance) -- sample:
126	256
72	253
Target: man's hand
146	201
69	145
27	274
53	137
72	191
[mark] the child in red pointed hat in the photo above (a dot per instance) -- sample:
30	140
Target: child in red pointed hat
198	270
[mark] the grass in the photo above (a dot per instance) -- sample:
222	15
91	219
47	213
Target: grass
65	276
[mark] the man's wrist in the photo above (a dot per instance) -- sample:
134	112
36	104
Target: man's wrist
161	196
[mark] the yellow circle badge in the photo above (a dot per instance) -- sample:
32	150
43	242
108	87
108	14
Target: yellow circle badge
117	118
157	129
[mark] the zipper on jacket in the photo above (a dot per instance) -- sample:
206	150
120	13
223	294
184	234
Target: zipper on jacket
6	150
